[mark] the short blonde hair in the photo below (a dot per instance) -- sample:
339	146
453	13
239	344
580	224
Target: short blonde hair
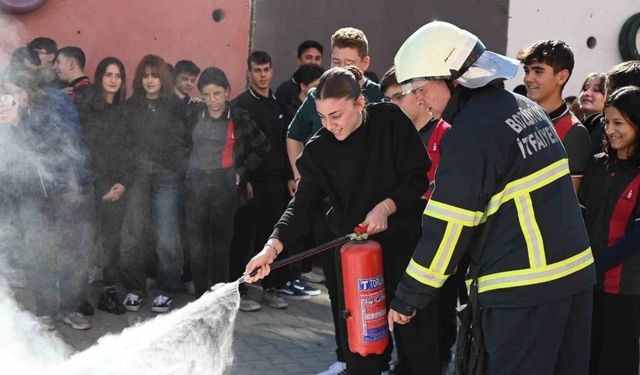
349	37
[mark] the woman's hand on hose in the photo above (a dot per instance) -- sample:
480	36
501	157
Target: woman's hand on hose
376	220
261	261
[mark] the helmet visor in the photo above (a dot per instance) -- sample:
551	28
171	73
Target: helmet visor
489	67
413	85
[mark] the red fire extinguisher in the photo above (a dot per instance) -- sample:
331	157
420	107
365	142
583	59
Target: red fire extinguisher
364	295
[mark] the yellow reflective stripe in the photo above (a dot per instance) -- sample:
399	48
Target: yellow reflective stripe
530	230
524	185
531	276
454	214
527	184
424	275
450	238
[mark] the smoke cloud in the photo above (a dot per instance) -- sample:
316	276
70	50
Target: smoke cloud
43	169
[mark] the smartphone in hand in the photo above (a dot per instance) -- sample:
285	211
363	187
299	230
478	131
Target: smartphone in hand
8	110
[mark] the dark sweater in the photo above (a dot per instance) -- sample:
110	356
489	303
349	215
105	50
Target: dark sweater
105	133
383	158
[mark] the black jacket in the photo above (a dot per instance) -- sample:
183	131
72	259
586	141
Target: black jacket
606	184
383	158
270	119
105	132
595	125
159	134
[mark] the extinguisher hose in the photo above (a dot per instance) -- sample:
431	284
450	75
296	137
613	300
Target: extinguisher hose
306	254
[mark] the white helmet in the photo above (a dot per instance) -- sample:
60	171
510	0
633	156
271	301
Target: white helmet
442	51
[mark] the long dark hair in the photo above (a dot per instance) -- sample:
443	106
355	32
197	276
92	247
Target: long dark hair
158	68
97	99
627	101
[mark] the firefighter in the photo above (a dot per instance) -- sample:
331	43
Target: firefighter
503	195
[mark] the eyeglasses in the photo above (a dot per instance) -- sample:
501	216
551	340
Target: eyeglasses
397	97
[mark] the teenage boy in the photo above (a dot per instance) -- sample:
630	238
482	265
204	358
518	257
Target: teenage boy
46	48
69	66
349	46
268	182
185	75
309	52
547	67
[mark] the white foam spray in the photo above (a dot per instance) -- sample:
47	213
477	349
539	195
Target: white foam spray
196	339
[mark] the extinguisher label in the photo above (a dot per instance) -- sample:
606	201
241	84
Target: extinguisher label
370	284
373	307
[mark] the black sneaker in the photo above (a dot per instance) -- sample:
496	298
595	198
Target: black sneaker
132	302
85	308
161	304
109	302
289	291
302	286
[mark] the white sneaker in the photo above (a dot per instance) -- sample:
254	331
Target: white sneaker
313	277
77	321
247	304
337	368
46	323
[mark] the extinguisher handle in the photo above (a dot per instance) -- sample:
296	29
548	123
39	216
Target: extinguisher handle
306	254
360	230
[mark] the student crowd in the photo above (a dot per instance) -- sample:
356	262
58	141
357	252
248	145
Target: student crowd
177	182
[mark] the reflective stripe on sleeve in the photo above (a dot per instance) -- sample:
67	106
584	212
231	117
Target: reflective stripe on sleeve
532	276
424	275
530	231
453	214
442	258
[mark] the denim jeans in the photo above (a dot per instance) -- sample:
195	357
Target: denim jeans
153	200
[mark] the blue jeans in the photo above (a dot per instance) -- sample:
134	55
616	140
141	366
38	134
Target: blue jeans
153	200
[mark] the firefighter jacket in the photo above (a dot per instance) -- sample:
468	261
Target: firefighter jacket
503	194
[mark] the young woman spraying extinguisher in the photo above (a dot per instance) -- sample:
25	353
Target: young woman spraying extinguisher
612	215
371	164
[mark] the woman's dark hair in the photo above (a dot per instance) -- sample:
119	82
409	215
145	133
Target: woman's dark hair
215	76
97	98
338	83
308	73
627	101
159	69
